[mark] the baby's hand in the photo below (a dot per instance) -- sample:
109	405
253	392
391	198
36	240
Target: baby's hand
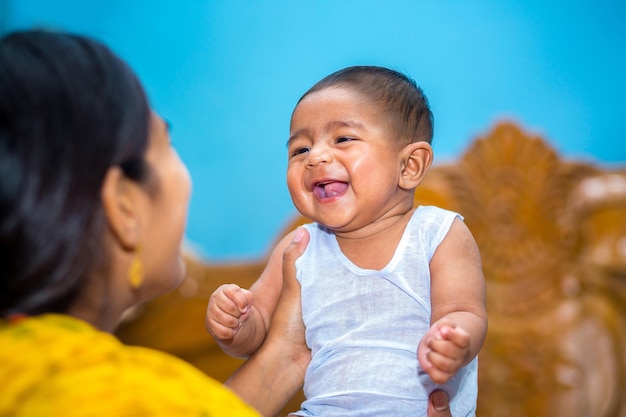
229	308
443	350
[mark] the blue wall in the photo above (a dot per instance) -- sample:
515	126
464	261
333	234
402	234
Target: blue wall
227	73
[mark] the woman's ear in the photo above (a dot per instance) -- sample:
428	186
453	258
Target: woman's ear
120	203
417	157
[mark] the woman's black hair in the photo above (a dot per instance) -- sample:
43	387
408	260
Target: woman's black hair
399	98
69	110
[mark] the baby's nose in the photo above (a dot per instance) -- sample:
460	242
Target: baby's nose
319	155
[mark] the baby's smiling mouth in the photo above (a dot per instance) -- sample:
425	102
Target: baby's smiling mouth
329	189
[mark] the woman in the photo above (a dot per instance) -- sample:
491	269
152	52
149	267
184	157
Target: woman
93	205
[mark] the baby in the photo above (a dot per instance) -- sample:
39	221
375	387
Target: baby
393	296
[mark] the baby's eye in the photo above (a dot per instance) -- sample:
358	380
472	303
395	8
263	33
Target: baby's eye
344	139
299	151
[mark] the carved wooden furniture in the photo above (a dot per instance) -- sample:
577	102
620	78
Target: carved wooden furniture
552	235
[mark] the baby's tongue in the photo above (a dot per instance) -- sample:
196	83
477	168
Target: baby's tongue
330	189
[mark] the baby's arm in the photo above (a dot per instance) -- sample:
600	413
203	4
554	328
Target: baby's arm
458	316
238	319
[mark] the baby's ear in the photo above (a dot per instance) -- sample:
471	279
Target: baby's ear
417	157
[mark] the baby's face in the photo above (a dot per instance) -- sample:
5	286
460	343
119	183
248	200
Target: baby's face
344	165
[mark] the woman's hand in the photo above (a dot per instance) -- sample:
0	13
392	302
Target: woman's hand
274	373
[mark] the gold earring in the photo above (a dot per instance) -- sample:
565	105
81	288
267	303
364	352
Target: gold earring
135	272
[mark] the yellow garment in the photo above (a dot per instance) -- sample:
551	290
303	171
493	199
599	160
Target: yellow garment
56	365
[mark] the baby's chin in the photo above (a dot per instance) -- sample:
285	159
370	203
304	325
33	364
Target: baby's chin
330	219
335	228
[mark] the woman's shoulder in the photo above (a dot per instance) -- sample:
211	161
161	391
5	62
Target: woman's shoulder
66	366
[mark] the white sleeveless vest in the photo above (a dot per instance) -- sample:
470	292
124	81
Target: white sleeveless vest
363	327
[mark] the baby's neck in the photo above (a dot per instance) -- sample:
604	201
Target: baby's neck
373	247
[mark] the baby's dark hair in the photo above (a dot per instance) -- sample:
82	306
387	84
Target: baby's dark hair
399	97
